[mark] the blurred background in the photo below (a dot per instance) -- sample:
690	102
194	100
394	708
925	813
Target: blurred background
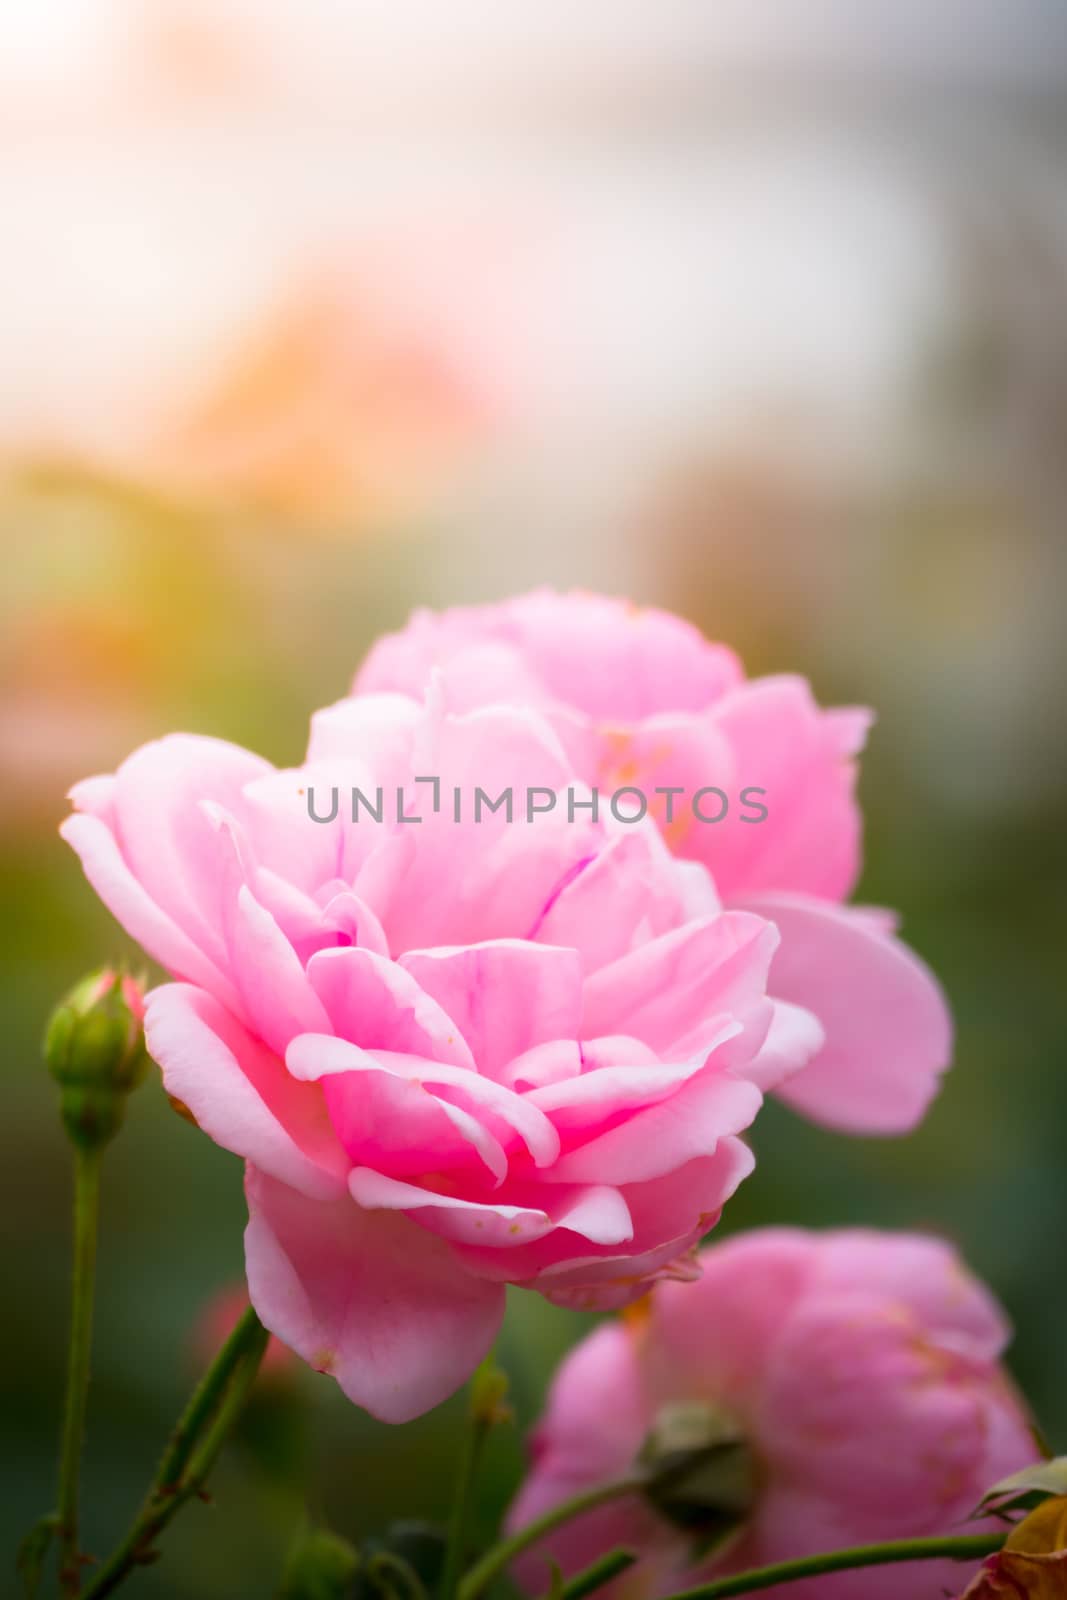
314	311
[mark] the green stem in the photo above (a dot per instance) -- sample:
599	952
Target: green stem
86	1213
964	1547
199	1436
205	1399
597	1574
479	1423
255	1339
495	1560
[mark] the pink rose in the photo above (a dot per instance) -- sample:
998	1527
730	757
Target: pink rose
860	1370
638	697
455	1056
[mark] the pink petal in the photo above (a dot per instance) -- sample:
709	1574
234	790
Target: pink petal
618	1077
130	903
283	837
348	914
598	1213
503	1112
793	1521
377	730
279	1002
544	1064
924	1274
476	881
618	661
240	1093
632	885
675	991
505	996
795	1036
894	1437
399	1126
888	1029
169	844
658	1140
803	757
669	1215
684	1204
613	659
95	797
592	1431
375	1002
685	751
717	1336
384	869
370	1298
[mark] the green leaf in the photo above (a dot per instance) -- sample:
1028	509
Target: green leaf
32	1551
420	1545
393	1578
1043	1478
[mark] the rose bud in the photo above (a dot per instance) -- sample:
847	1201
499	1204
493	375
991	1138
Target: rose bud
94	1049
321	1566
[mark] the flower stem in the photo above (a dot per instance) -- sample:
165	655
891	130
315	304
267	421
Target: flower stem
474	1439
83	1278
963	1547
194	1445
597	1574
495	1560
206	1397
483	1411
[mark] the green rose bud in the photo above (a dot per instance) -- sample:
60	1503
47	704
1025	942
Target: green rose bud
94	1049
321	1566
702	1473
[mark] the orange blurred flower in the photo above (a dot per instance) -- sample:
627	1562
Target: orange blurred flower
335	401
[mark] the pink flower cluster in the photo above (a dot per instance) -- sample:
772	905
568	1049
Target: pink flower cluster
457	1056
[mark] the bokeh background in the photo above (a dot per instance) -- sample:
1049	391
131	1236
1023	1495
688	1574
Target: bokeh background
311	312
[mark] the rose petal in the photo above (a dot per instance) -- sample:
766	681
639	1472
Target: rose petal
888	1029
240	1093
379	1005
505	995
130	903
372	1299
674	992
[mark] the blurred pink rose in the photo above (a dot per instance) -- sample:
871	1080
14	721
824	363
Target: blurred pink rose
218	1318
454	1055
860	1369
638	697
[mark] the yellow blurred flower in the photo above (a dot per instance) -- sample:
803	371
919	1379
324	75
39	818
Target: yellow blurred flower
1033	1562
